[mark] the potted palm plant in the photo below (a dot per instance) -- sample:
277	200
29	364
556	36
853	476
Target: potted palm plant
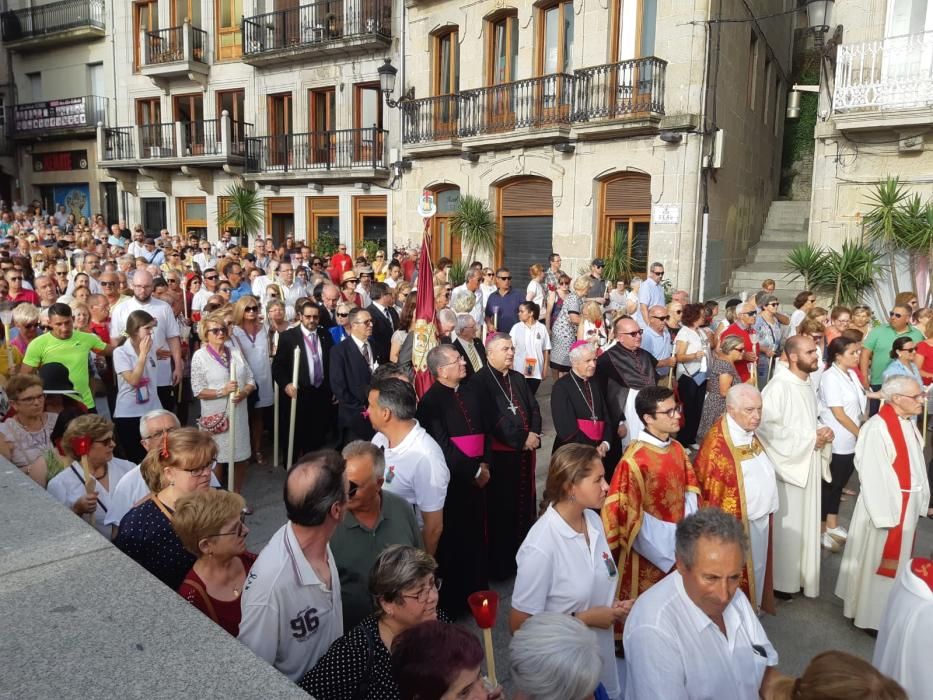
244	212
474	224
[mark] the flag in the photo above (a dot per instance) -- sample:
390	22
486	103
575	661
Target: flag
425	331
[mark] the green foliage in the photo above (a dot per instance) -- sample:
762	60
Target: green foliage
371	248
846	273
326	244
619	264
245	211
474	224
893	220
808	261
457	273
798	133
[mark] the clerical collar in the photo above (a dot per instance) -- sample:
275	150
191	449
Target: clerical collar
645	436
740	436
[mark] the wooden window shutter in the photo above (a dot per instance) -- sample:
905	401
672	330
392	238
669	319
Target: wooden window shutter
630	193
371	204
527	197
280	205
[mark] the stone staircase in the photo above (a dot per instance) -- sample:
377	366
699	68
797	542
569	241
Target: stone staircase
785	228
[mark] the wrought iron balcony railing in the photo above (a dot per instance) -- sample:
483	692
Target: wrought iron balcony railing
611	91
205	138
169	45
317	23
893	73
42	20
318	150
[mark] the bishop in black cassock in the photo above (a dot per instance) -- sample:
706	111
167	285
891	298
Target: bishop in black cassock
578	406
515	437
452	413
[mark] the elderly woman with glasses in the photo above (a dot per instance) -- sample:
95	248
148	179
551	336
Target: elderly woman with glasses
720	377
404	585
252	339
341	316
212	383
69	489
25	439
179	465
210	524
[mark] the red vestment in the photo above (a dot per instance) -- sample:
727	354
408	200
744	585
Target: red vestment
718	467
652	480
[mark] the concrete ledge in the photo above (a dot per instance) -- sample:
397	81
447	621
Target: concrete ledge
81	620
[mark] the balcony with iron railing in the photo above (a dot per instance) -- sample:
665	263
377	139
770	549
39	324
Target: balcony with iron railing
884	82
338	154
626	97
176	52
317	30
202	143
65	118
56	23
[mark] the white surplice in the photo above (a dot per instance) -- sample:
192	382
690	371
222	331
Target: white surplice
877	509
788	434
905	637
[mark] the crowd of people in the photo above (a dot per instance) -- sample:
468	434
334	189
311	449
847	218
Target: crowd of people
697	468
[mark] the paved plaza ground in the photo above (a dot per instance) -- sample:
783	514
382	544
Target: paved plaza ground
802	628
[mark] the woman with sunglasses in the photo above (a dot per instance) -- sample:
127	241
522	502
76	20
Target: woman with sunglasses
193	285
179	465
210	524
341	316
720	377
134	363
252	339
68	488
903	353
379	266
211	383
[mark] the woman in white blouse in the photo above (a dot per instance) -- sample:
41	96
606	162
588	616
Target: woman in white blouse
564	564
691	349
843	403
69	487
251	338
532	345
134	363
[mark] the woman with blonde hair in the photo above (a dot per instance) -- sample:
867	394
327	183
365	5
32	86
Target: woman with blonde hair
565	565
836	675
250	336
379	266
211	383
591	327
211	525
181	464
860	319
565	327
69	489
275	323
536	290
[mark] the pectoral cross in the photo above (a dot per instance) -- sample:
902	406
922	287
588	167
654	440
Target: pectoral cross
512	407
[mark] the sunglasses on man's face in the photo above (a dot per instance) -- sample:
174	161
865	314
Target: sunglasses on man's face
894	314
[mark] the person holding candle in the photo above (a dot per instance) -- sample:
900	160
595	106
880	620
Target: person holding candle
405	586
69	486
135	366
565	564
179	464
249	335
220	376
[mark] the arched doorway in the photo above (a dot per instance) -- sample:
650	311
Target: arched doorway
443	243
625	219
525	209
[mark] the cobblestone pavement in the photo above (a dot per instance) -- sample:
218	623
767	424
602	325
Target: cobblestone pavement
802	628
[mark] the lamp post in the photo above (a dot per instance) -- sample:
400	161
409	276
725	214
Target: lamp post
387	75
818	12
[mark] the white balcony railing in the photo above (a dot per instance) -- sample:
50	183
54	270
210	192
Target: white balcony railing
889	74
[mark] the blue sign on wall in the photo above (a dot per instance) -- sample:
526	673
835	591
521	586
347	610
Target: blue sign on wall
76	198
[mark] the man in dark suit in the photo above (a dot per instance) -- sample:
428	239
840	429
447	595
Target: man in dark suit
385	320
351	369
330	295
467	340
315	415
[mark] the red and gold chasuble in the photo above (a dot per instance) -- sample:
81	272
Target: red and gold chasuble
651	480
718	468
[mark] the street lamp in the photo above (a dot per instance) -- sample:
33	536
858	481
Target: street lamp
818	12
387	75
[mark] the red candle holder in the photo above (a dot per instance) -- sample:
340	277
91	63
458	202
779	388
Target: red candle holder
483	605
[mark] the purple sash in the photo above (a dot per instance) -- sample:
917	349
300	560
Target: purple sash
470	445
593	429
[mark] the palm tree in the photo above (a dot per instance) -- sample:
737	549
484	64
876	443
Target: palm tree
619	265
885	222
809	262
474	224
852	270
244	211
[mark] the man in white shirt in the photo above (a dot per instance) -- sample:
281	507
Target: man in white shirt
415	466
205	259
694	634
165	338
461	297
291	602
292	288
208	289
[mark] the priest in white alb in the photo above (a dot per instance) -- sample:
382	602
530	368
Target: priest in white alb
799	449
894	494
906	633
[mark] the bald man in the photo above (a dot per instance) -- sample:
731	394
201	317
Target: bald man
737	476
